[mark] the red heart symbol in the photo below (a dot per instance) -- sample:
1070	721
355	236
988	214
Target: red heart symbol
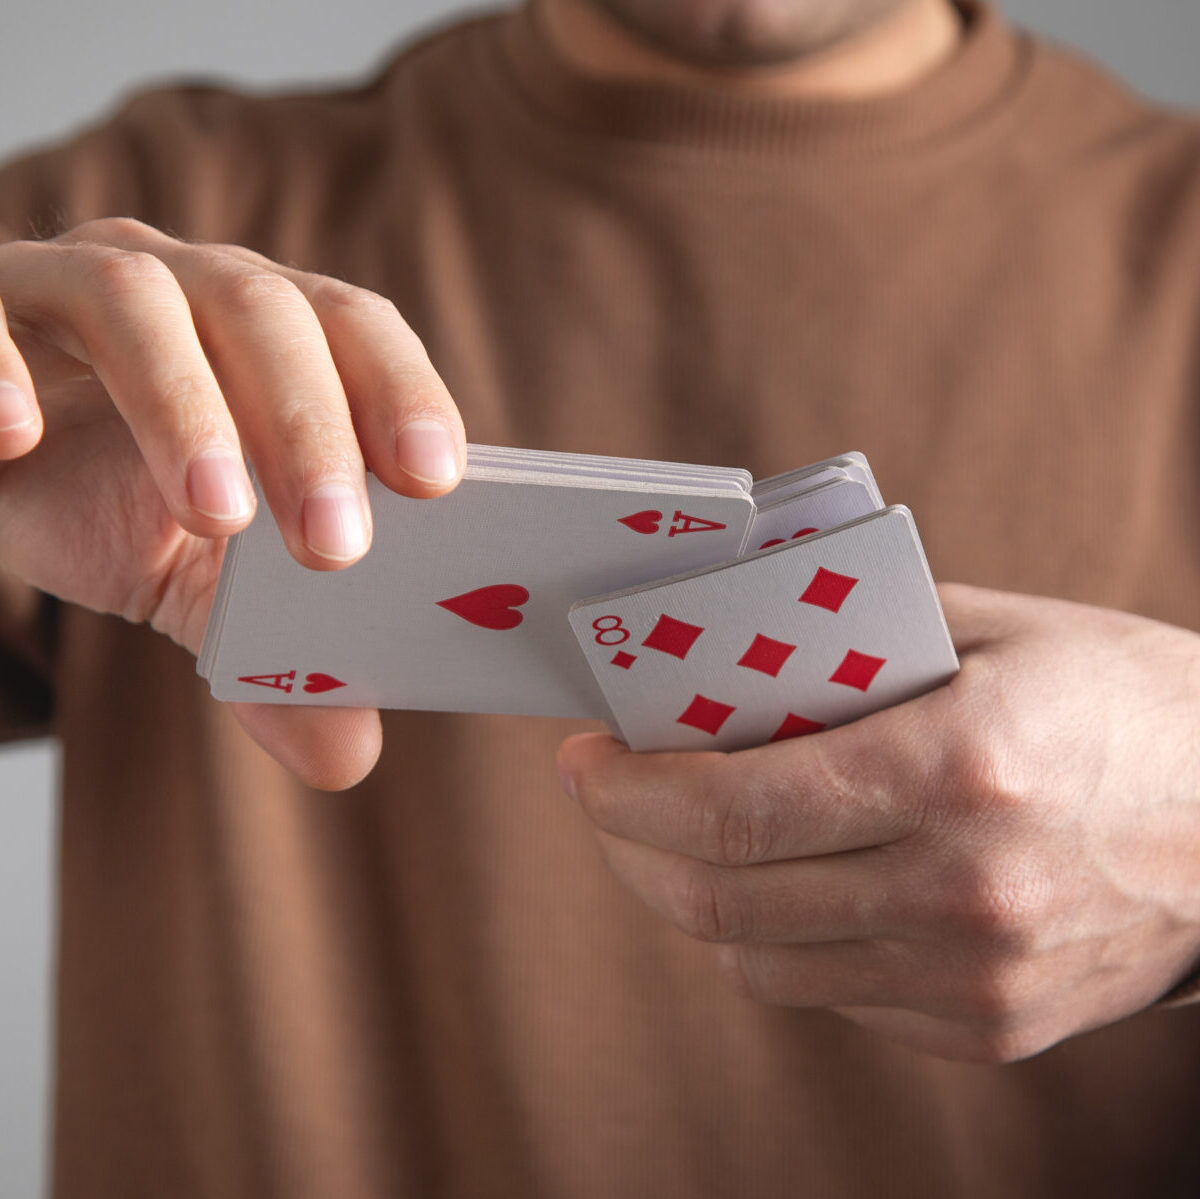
642	522
318	682
489	607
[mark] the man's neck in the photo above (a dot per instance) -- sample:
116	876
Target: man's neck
887	57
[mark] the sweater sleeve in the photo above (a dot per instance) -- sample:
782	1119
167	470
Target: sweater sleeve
131	164
27	620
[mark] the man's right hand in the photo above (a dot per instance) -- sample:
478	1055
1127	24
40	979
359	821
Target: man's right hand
135	372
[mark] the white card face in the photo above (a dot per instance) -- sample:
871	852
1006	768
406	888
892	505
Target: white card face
809	635
460	604
832	503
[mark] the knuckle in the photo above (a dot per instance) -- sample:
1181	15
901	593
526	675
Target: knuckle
1002	905
993	996
338	300
320	438
704	910
986	997
122	275
250	289
115	229
998	1044
185	403
734	830
349	311
724	830
983	778
737	836
231	250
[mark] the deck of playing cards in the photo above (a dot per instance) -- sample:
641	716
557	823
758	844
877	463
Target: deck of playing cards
705	611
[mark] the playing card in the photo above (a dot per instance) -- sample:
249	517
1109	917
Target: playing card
460	604
833	502
852	465
797	638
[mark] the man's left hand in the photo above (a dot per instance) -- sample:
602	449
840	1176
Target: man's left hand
1006	861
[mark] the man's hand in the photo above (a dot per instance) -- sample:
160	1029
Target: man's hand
135	371
978	873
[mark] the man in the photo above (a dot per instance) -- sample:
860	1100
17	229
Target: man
921	954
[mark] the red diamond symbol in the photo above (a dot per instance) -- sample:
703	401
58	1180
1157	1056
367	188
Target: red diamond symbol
857	670
828	589
796	726
767	655
671	636
623	660
706	714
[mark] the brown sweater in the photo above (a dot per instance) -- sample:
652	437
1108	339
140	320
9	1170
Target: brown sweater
430	985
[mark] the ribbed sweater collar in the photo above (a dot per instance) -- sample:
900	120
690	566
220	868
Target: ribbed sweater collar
987	65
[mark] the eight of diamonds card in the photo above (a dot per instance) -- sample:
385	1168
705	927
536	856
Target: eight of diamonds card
788	641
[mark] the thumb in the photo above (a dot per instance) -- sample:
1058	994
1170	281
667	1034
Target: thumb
327	748
20	416
977	616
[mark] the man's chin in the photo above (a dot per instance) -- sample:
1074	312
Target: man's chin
745	33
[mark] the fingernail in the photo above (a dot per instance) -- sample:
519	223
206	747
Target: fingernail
16	408
334	524
217	486
426	450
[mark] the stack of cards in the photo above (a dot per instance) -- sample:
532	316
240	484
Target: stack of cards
462	603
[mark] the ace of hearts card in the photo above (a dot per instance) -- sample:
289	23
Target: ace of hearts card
460	604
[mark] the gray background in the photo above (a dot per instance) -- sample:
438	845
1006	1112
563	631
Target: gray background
61	63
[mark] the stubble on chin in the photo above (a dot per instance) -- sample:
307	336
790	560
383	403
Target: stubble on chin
741	33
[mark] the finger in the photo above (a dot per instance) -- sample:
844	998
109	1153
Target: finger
977	617
409	428
279	382
125	315
836	975
20	416
903	991
843	897
843	789
327	748
269	352
934	1035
